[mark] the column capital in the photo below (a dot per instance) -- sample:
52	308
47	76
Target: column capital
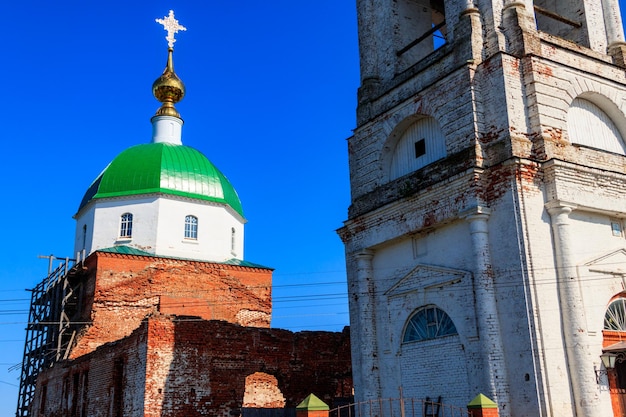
364	254
470	7
364	259
557	207
475	213
514	3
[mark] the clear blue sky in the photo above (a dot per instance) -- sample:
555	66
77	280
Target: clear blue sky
271	98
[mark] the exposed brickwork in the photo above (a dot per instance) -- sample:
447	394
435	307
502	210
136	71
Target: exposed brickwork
186	367
120	290
262	392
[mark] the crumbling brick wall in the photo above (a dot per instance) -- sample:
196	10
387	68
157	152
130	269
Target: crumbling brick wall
184	366
120	290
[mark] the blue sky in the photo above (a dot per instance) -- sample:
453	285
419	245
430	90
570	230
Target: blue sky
271	99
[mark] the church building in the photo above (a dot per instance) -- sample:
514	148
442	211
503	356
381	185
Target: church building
485	241
160	314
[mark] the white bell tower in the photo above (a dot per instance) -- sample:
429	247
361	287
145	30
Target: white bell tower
488	174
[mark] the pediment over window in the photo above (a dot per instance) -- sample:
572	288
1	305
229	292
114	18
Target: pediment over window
425	277
613	263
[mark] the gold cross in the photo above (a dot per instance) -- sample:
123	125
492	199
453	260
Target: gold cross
171	25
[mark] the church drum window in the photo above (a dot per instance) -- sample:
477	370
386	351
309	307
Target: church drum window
126	225
191	227
428	323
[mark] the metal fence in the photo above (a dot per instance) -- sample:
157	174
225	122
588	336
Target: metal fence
400	407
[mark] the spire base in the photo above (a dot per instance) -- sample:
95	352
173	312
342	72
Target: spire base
167	129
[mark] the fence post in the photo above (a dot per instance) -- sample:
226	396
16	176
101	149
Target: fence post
481	406
312	406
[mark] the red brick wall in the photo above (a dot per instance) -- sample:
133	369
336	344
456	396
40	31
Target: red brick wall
303	363
96	373
183	366
120	290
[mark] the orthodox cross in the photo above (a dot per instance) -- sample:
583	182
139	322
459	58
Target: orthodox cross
171	25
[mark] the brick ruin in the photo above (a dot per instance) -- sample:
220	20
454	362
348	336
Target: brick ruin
155	336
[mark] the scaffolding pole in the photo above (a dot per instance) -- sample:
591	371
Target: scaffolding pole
47	329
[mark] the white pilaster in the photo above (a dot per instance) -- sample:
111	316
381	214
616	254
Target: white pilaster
495	380
613	22
366	346
572	311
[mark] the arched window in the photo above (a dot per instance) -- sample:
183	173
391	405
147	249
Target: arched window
589	125
232	239
428	323
191	227
421	144
126	225
615	317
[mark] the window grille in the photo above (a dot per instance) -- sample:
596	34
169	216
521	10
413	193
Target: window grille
126	225
191	227
428	323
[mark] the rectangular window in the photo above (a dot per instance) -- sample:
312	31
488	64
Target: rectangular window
85	394
117	400
420	148
616	228
126	225
75	392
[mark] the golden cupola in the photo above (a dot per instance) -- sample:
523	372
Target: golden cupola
168	89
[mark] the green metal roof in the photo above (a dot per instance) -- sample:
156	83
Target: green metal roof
312	403
127	250
163	168
482	401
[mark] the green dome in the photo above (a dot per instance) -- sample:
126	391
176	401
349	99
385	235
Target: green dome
163	168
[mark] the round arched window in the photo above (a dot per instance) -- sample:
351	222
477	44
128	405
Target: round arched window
615	317
428	323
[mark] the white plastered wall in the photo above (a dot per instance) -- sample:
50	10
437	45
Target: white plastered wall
158	227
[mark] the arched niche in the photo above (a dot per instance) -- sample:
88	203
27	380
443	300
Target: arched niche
417	142
593	121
